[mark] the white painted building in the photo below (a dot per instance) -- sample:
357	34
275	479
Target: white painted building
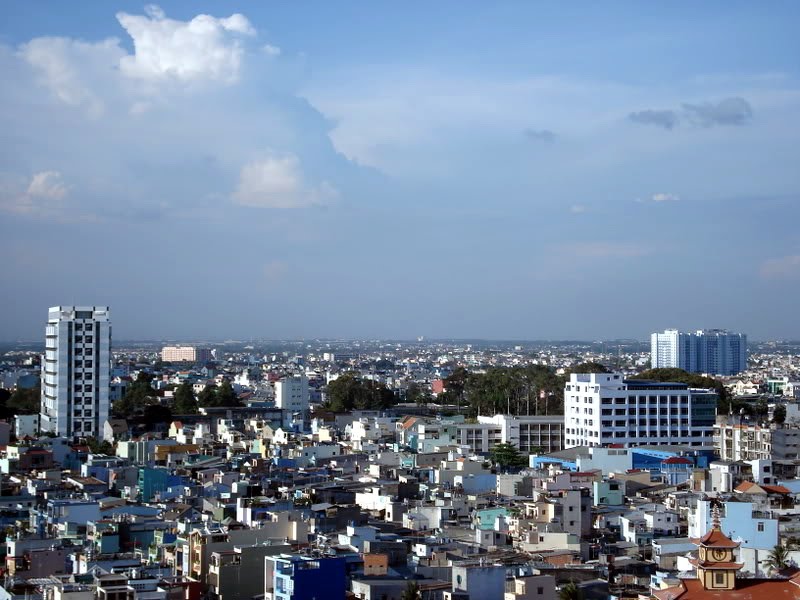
291	393
601	409
76	371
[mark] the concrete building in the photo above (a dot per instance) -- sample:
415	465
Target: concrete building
189	354
76	371
735	439
539	434
291	393
601	409
713	351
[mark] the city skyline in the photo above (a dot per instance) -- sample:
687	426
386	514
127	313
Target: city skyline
386	172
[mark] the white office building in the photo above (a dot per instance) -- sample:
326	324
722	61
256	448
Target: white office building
76	371
713	351
601	409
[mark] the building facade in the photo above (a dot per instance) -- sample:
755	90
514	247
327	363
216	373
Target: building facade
76	371
713	351
189	354
530	434
601	409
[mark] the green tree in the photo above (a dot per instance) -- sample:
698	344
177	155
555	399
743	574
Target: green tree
208	397
26	401
589	367
349	392
185	402
99	447
779	415
693	380
570	591
226	396
506	455
778	558
416	394
412	592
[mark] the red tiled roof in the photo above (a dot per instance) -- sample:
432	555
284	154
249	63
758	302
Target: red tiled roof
719	565
716	539
776	489
746	589
677	460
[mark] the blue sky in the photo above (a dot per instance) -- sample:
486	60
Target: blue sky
354	169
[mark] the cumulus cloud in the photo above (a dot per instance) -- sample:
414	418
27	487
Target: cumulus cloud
731	111
784	267
277	182
67	67
205	48
540	135
661	118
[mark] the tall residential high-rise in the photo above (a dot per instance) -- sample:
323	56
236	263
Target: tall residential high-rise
713	351
76	371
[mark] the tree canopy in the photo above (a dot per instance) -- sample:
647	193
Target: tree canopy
533	389
349	392
506	455
185	402
693	380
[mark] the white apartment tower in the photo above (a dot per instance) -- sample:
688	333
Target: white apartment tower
76	371
601	409
713	351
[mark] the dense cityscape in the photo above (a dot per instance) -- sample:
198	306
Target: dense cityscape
396	469
345	300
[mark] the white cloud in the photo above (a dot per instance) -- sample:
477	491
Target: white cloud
205	48
271	50
44	196
665	197
784	267
578	209
48	185
277	182
68	67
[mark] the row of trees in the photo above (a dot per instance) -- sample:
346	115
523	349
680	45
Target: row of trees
348	392
141	398
529	390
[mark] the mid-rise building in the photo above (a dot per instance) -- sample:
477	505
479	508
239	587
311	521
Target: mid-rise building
713	351
76	371
736	439
605	408
529	433
189	354
291	393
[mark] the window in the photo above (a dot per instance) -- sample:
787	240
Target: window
719	578
761	525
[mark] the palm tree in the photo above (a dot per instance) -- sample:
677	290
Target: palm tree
570	592
778	558
411	592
